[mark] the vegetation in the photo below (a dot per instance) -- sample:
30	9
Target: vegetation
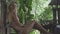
33	10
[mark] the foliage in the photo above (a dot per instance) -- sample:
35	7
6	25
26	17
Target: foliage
29	9
35	32
25	7
24	10
47	14
33	9
38	7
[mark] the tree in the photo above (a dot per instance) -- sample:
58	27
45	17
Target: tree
17	26
13	20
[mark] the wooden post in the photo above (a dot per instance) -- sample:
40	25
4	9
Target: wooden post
58	15
58	9
0	19
54	20
4	28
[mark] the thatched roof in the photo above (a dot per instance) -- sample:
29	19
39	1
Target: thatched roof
55	2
